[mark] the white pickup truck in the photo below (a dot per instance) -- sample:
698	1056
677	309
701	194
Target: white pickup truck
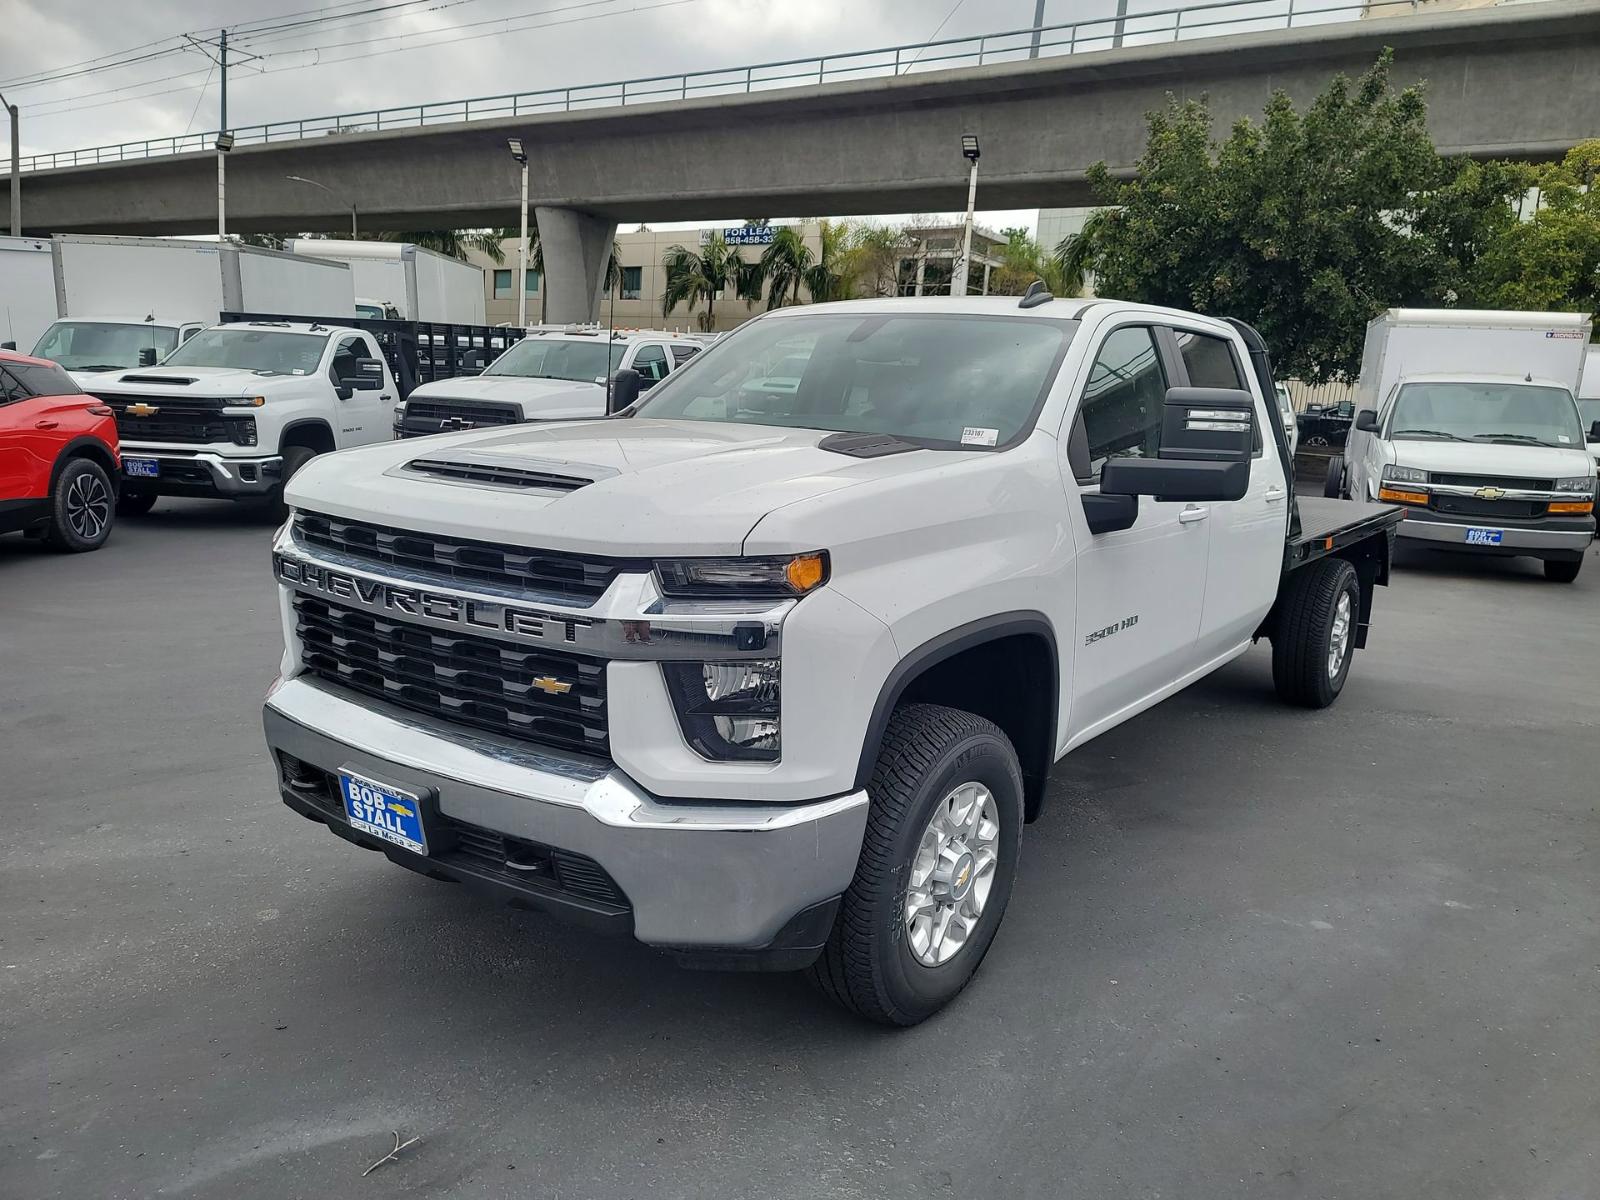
549	375
237	409
772	678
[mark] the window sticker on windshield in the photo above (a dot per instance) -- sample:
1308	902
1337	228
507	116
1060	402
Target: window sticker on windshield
979	437
1564	438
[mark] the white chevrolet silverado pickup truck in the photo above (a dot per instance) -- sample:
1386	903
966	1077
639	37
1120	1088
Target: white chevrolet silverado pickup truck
773	677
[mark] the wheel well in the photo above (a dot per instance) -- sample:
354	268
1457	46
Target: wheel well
313	435
1006	674
93	450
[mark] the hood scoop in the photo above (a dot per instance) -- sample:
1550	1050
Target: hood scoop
185	380
866	445
519	475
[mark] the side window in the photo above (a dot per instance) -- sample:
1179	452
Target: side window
345	358
1122	404
10	390
1211	363
651	362
682	354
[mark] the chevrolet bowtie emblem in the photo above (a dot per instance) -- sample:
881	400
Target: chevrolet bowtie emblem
1489	493
551	685
143	410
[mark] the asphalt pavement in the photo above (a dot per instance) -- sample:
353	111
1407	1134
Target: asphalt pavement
1253	952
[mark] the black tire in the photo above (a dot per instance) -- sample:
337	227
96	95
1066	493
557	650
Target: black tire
294	457
868	965
1302	641
82	507
1333	485
1562	570
135	500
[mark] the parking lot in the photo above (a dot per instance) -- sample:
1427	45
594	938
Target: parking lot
1253	951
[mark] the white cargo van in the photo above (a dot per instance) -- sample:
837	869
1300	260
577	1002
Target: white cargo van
125	302
27	291
1468	420
417	284
1589	401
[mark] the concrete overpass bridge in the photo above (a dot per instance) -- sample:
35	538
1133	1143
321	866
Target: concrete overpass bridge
1520	81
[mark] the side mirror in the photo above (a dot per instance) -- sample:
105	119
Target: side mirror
623	389
8	345
147	357
1207	425
1367	421
1594	432
369	378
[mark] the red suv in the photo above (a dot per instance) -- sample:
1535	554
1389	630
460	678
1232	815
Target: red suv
59	460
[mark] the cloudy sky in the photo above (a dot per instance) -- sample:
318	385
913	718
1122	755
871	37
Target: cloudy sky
305	60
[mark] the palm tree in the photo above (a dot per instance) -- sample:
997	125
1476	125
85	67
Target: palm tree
457	243
784	265
1077	253
834	272
871	262
692	277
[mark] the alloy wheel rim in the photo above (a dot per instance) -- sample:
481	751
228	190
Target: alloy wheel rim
1339	639
88	506
952	874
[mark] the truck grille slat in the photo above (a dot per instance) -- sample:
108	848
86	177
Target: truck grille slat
572	578
179	419
499	687
431	416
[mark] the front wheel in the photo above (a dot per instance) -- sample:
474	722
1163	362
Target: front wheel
294	457
1562	570
81	507
944	831
1315	634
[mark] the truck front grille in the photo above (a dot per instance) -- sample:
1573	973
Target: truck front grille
531	693
570	578
1499	481
179	419
1471	506
435	416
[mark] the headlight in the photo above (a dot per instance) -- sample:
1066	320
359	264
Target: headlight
1398	474
245	402
725	578
728	711
1575	483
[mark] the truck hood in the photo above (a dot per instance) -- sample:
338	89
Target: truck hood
538	399
201	382
1490	458
652	487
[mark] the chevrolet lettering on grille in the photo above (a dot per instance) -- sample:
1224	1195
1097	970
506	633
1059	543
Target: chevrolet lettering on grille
431	606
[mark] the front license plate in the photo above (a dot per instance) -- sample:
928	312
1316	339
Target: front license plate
1485	537
141	468
383	811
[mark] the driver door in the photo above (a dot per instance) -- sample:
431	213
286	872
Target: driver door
365	416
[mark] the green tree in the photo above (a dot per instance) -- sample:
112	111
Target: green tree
1306	225
784	264
457	243
1551	261
704	275
871	259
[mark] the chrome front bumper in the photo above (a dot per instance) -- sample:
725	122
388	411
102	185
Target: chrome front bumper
1549	535
698	876
189	472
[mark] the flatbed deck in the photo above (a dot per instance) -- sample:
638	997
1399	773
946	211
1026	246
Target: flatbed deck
1327	526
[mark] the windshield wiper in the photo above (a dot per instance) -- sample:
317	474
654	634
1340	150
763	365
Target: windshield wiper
103	367
1520	438
1429	433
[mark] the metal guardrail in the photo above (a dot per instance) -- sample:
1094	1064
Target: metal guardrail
1016	45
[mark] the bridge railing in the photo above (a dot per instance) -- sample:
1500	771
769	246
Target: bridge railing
1014	45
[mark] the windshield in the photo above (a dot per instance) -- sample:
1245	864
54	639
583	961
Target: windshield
947	381
270	352
1513	413
369	310
1589	413
103	345
581	362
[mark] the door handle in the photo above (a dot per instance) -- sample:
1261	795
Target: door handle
1191	514
1275	494
385	396
45	424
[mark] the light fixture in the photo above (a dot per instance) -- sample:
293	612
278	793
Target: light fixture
224	142
516	149
969	146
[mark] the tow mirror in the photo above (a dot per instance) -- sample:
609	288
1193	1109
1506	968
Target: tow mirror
1207	439
8	345
623	390
147	357
368	378
1594	432
1367	421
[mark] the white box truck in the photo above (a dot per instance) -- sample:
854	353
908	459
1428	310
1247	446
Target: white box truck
124	302
27	291
1468	420
1589	401
419	284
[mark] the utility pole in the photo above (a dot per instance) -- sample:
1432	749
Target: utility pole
1038	24
521	156
222	151
1122	23
16	169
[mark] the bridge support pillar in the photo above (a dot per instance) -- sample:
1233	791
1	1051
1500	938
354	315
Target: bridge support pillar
577	247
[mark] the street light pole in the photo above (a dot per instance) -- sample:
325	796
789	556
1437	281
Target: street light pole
222	150
522	246
1038	25
958	277
16	169
354	236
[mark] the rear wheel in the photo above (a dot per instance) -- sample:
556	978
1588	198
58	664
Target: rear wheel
81	507
1562	570
135	500
1333	485
937	863
1315	634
